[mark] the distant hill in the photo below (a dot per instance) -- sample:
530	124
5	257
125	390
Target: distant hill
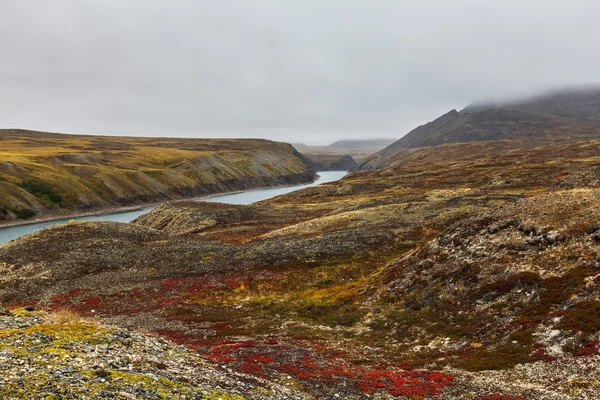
327	157
361	143
455	127
560	115
331	162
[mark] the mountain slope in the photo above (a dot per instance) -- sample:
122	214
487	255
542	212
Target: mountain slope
583	104
49	174
564	115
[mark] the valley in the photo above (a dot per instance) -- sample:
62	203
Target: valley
49	175
459	269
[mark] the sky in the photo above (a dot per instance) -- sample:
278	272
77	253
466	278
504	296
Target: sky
300	71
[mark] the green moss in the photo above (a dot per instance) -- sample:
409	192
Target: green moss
555	290
220	395
62	334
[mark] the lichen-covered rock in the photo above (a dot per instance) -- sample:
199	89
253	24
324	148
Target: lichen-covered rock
43	359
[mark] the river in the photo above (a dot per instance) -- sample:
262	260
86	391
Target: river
251	196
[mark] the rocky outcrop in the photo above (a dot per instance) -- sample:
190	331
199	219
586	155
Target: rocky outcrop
58	355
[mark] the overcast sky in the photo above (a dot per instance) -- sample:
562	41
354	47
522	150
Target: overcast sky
310	71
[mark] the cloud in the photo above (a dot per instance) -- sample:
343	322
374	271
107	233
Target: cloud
311	70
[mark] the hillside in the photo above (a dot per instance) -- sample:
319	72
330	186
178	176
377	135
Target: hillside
58	355
331	162
483	124
583	104
48	174
456	273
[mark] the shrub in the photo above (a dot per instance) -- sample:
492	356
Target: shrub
584	316
24	213
42	191
64	317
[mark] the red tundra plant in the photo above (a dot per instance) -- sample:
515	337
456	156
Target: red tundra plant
405	383
252	369
415	383
589	349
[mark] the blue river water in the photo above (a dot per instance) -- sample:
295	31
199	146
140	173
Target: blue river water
252	196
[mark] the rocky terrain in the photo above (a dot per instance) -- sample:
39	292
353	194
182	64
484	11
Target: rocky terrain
57	356
49	175
477	276
463	270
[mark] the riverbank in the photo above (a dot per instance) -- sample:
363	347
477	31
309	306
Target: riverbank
127	214
119	210
45	175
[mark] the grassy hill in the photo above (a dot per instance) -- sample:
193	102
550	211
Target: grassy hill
49	174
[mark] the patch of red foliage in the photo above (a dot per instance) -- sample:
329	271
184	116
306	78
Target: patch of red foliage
91	302
252	369
258	358
311	361
405	383
66	297
589	349
317	365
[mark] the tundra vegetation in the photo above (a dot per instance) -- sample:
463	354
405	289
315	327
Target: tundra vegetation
465	270
461	262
